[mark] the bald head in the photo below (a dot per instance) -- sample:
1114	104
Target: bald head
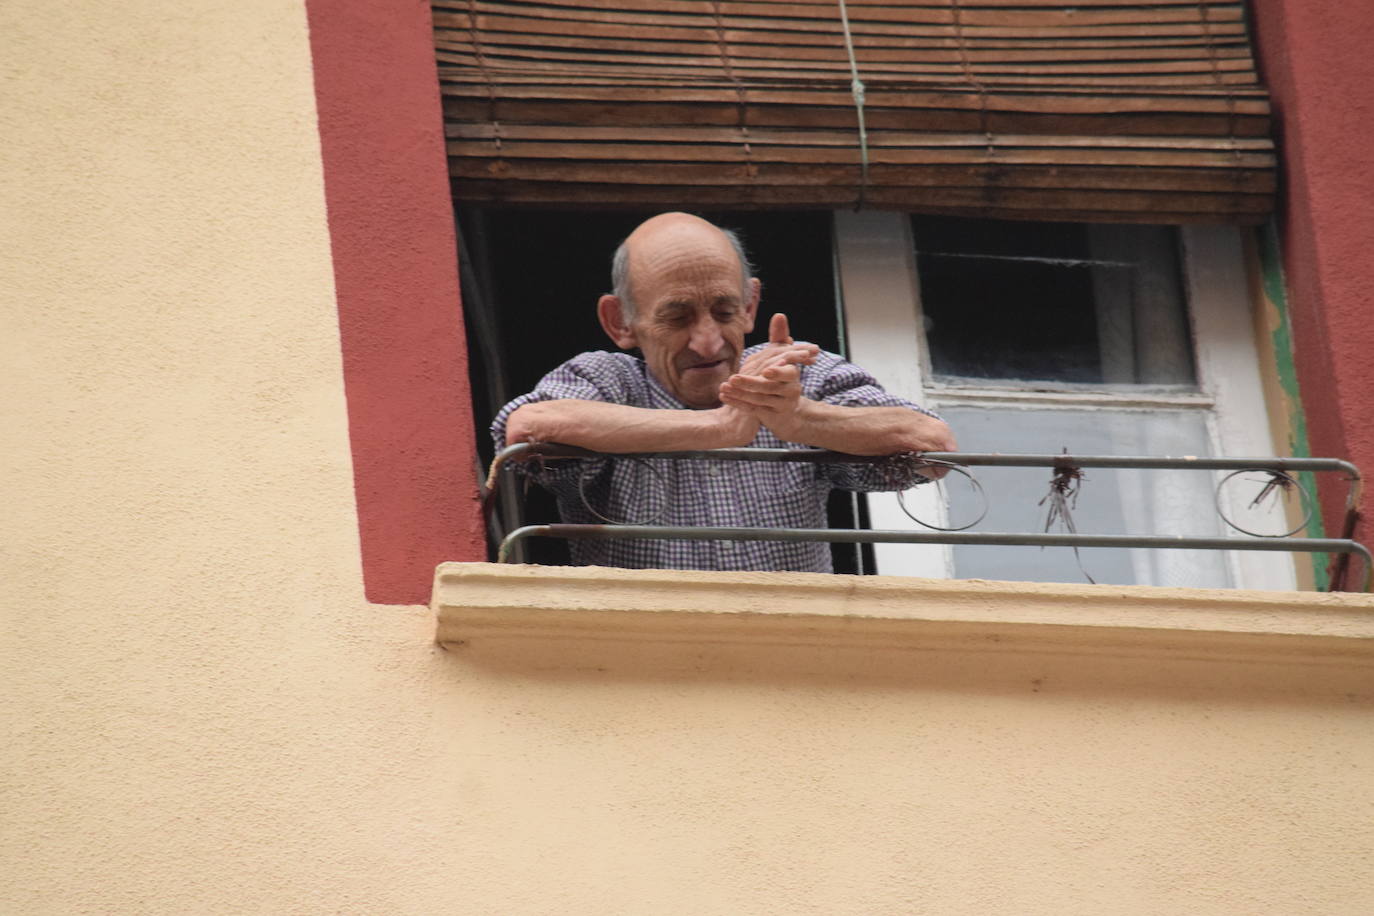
664	236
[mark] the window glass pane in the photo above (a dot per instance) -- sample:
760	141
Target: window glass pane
1109	501
1059	302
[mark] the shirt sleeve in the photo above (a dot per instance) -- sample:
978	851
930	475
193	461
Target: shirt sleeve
843	384
595	376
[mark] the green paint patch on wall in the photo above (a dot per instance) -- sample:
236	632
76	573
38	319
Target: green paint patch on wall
1281	343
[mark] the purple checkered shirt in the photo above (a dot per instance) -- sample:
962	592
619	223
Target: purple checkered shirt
700	493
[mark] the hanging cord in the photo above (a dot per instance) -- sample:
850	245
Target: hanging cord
1232	114
856	88
741	100
475	34
965	64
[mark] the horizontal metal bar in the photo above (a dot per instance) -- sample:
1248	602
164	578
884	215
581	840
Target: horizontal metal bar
879	536
527	450
844	536
1146	462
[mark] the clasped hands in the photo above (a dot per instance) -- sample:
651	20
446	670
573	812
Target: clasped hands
767	386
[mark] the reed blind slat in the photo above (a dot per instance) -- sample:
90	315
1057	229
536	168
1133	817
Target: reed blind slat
1111	110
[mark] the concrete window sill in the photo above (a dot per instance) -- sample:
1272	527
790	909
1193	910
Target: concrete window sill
482	601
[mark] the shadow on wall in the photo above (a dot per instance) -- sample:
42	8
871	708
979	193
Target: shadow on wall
991	668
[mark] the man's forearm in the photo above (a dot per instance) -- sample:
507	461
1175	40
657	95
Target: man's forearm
605	427
864	430
774	396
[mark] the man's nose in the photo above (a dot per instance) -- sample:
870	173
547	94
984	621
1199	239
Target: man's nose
706	339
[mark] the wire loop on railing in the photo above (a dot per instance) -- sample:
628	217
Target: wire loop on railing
587	503
957	469
1276	482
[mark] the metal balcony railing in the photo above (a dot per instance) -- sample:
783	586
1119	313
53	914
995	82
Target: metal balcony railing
1065	468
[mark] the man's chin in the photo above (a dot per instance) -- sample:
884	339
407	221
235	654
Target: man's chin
700	388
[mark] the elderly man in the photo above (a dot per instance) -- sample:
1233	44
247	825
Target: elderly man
684	295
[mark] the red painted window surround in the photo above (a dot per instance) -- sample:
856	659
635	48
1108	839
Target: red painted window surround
404	359
396	277
1315	59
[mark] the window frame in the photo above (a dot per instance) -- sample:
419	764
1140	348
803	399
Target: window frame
880	290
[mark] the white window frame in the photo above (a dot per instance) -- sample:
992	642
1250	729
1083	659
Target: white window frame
880	292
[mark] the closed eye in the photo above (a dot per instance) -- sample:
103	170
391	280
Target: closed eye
725	310
674	315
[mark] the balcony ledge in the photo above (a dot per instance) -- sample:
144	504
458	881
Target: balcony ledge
485	601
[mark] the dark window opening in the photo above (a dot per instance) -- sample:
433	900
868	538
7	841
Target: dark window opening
1056	302
530	282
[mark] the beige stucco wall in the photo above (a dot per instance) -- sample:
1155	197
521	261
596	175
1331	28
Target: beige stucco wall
202	714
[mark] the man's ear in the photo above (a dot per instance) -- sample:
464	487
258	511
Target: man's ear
613	322
751	308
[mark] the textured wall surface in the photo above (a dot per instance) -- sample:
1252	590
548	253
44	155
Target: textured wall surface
203	713
196	702
396	272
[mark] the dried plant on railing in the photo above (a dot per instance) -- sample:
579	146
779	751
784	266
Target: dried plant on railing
1063	498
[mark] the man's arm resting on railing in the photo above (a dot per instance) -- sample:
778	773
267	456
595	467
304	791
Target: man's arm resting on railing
605	427
863	430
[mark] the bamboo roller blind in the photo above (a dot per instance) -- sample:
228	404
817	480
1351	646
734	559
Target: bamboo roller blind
1119	110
